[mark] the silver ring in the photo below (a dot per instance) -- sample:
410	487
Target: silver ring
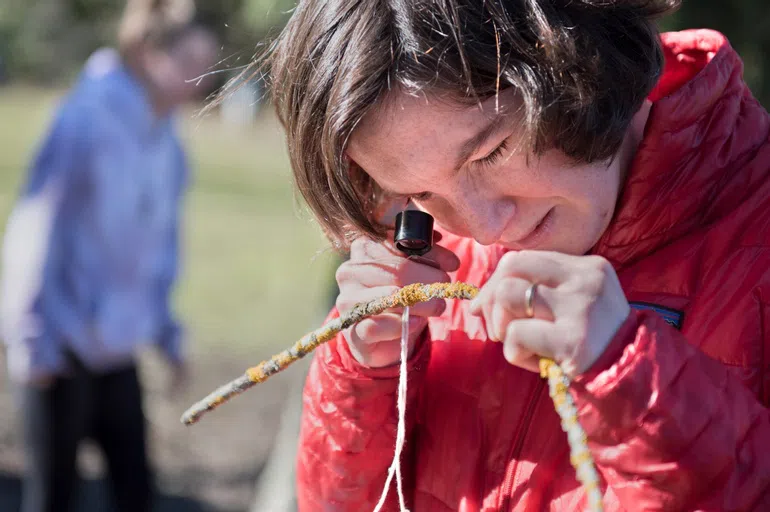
529	300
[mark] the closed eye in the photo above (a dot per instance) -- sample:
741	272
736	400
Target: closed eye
494	156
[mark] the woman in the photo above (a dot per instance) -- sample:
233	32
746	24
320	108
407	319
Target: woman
570	154
90	256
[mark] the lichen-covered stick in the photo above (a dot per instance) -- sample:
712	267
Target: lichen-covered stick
407	296
580	456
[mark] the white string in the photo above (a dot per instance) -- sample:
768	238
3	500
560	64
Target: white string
395	467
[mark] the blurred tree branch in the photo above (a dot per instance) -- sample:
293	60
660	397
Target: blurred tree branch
47	40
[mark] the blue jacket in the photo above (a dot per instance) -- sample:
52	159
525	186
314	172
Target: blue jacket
91	248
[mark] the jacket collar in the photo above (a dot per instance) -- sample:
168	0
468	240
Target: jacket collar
704	127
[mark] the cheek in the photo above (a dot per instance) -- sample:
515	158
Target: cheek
447	217
596	200
606	200
605	216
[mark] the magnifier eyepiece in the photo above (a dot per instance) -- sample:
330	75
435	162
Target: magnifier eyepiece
414	232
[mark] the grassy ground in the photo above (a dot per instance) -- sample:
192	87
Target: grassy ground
255	278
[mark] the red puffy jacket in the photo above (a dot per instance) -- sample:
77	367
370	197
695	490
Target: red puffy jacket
676	409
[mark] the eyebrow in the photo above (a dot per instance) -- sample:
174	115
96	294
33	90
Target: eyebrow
473	144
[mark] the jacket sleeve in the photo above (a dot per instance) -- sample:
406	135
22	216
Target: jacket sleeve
348	432
29	247
672	429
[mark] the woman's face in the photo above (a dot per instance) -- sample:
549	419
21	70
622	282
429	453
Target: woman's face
461	165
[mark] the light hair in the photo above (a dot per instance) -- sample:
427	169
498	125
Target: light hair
159	23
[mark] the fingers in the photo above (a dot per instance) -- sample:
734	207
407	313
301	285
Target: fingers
503	300
510	293
376	270
346	302
519	356
541	267
385	327
354	296
578	304
446	259
399	272
433	307
528	340
364	249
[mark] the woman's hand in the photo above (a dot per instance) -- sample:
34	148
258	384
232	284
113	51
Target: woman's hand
578	307
378	269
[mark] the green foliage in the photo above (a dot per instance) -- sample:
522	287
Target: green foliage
746	23
49	39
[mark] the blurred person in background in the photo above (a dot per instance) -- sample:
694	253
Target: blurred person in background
90	256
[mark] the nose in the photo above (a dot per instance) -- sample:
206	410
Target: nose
486	219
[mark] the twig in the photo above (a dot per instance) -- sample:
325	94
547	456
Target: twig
407	296
580	456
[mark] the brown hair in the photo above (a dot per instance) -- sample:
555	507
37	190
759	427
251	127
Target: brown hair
159	23
582	69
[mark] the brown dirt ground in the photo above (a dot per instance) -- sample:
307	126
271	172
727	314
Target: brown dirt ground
213	465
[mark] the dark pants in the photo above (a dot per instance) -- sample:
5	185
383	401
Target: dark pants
105	407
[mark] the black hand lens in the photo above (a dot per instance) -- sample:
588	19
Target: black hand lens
414	232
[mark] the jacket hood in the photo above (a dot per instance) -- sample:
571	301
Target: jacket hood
692	167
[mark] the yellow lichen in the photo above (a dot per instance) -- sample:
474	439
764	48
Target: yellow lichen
256	374
412	294
545	366
580	456
324	336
